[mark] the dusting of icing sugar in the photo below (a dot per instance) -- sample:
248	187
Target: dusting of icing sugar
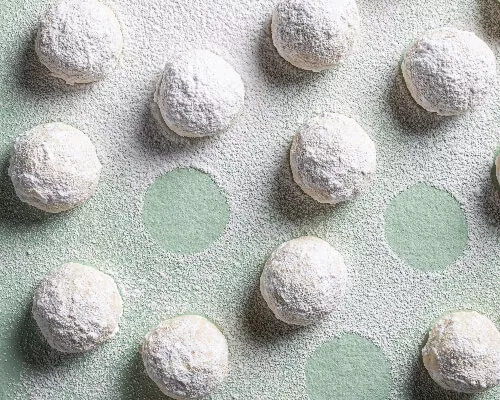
315	34
394	303
304	280
497	164
186	356
449	71
199	94
54	167
332	158
77	308
79	41
462	353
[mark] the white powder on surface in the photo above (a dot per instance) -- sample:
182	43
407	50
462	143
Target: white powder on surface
77	308
449	71
199	94
54	167
79	41
187	357
394	304
332	158
315	34
463	352
304	280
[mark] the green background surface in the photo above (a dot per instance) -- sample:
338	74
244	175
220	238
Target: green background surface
426	227
357	370
391	302
185	211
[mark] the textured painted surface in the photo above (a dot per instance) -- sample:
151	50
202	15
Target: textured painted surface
426	227
349	368
388	302
184	211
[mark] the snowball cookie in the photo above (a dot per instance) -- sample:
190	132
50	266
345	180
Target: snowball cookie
449	71
186	356
79	41
315	34
304	280
497	164
54	167
463	353
332	158
77	308
199	94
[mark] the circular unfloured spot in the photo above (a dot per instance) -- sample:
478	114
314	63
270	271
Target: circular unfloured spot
348	368
426	227
185	211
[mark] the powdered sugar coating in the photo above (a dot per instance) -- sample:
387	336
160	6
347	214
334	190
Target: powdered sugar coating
497	164
77	308
79	41
199	94
315	34
462	353
332	158
304	280
186	356
449	71
54	167
395	301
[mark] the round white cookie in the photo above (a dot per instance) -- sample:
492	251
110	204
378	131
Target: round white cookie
54	167
315	34
77	308
332	158
186	356
497	164
304	280
79	41
199	94
462	353
449	71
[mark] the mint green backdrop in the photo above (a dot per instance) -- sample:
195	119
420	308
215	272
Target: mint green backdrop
397	288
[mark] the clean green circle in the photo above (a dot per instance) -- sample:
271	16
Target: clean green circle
426	227
348	368
185	211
